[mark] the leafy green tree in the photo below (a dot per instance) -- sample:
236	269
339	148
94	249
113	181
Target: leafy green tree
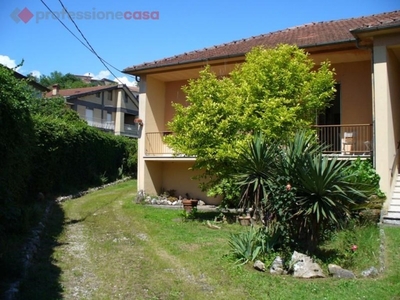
66	81
275	91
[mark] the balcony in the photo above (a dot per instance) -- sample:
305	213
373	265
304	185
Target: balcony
155	145
351	140
346	141
130	130
100	123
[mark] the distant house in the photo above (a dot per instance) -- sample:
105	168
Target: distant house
90	80
40	89
111	108
363	121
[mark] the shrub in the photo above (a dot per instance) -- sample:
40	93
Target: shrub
245	246
253	244
298	192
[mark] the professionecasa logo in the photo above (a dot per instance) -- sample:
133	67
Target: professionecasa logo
26	15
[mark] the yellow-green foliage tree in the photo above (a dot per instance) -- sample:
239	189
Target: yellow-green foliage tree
276	91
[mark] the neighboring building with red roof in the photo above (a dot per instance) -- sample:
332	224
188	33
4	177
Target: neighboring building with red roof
364	120
111	108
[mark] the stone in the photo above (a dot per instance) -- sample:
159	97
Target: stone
305	267
259	266
277	267
371	272
140	197
338	272
153	201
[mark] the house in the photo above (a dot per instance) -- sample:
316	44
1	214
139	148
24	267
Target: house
111	108
37	87
363	121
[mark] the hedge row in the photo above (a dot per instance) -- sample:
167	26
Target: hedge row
47	148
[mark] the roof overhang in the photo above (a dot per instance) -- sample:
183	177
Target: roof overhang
230	59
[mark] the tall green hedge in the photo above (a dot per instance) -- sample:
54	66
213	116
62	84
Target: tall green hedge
16	142
74	155
45	147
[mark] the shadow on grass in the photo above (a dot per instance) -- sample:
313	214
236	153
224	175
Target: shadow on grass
42	280
215	216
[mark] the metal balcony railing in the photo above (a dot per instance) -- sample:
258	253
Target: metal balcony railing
131	130
155	143
348	139
100	123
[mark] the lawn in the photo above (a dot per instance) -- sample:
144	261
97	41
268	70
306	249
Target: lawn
105	246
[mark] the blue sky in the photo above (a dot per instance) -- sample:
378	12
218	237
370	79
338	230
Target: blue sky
177	26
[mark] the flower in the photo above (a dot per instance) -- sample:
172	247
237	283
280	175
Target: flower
354	248
288	187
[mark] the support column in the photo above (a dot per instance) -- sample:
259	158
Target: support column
384	146
119	114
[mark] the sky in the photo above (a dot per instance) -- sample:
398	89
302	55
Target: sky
128	32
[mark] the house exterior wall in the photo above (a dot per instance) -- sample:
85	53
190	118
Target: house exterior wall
174	93
156	97
355	92
177	176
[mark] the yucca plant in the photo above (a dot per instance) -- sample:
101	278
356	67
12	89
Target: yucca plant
255	171
324	196
245	246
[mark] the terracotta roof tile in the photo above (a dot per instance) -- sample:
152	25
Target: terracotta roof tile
80	91
307	35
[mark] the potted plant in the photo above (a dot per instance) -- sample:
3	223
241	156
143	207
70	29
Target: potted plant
189	204
245	220
139	121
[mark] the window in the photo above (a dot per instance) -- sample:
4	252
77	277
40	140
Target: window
126	98
109	95
89	116
98	95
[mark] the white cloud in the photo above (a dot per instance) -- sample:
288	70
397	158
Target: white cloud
8	62
125	80
36	73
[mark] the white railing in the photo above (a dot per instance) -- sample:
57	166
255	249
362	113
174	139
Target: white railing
100	123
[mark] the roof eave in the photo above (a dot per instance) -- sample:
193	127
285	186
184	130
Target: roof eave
145	69
381	29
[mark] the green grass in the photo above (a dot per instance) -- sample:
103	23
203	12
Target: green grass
104	246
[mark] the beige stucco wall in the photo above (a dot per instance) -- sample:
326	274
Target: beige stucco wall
151	111
356	92
152	181
174	94
163	176
155	105
177	176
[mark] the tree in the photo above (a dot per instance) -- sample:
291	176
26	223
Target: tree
67	81
275	91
